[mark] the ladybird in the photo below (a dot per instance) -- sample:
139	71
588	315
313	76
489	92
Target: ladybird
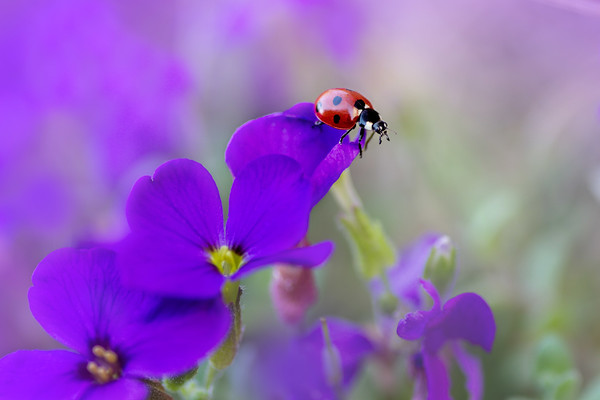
345	109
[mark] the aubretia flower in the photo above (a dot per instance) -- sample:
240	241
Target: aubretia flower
293	133
120	337
312	366
466	317
178	245
404	277
401	282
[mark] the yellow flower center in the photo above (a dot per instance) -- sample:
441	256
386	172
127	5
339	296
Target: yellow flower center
105	367
226	260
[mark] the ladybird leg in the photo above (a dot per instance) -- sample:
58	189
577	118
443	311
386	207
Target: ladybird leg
382	134
346	133
361	136
319	123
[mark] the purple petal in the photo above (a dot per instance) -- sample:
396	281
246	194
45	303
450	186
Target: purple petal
269	207
330	168
404	277
181	199
415	325
177	334
293	133
438	381
77	297
412	326
294	369
351	342
49	375
467	317
283	369
302	257
432	291
471	367
417	371
122	389
304	111
165	264
69	288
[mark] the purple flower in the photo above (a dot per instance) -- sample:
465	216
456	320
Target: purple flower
119	337
293	133
466	317
404	278
178	245
305	368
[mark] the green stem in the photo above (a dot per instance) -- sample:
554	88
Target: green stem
224	355
209	378
345	193
372	249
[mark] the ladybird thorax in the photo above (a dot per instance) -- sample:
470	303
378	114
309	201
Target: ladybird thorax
368	117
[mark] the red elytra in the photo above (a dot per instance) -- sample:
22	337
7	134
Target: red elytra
346	109
338	107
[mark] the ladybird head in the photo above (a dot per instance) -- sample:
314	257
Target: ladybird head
380	127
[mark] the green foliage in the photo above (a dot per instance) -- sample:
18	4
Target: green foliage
555	373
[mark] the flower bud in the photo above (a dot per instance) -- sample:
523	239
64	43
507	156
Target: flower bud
293	291
441	264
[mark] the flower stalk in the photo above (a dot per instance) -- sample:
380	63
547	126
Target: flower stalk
224	355
373	250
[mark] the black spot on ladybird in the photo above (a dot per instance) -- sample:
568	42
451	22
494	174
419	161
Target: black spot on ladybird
336	118
337	100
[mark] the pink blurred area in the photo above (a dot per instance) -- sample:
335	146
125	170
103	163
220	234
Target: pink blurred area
95	94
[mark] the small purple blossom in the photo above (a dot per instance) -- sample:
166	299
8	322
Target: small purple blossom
293	133
466	317
405	276
301	368
178	245
119	337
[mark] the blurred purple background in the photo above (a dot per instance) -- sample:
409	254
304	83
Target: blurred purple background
496	105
